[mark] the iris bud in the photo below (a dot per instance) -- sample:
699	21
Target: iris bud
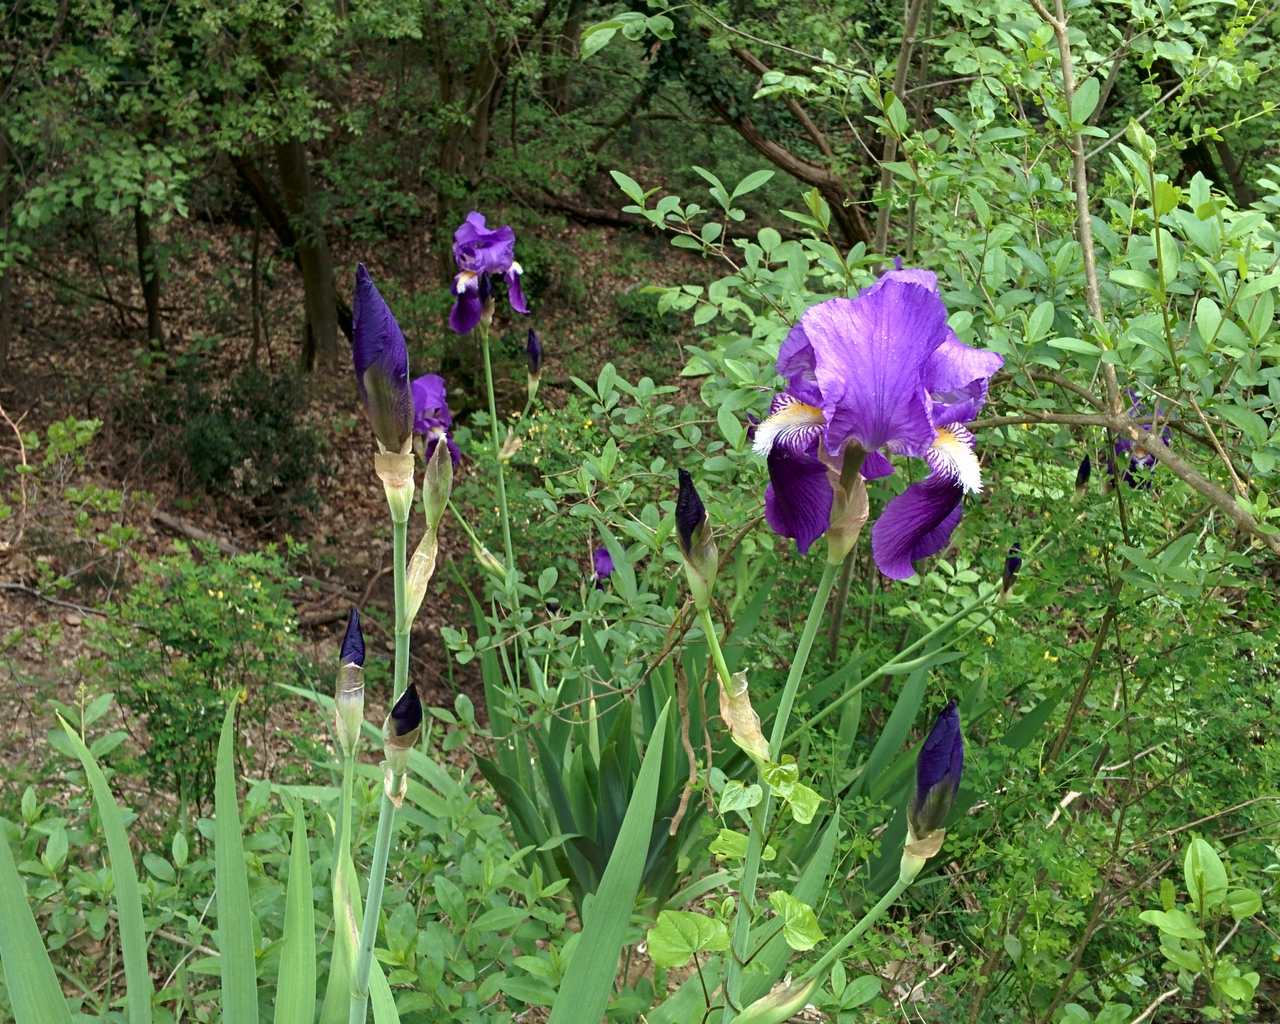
349	692
1082	476
701	559
1012	565
382	366
938	771
780	1005
533	349
400	734
849	507
437	484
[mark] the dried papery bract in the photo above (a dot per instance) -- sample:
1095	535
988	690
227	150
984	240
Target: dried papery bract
741	718
349	691
849	507
938	771
697	546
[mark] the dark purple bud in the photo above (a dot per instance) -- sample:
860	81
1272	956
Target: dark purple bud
938	771
753	421
353	642
1011	566
603	564
690	512
533	349
406	716
1083	474
381	363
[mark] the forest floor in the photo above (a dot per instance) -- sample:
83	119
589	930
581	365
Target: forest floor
80	351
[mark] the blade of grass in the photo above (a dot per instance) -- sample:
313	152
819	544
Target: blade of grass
589	979
133	934
296	986
235	933
34	992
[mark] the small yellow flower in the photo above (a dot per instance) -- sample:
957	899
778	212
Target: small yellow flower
1050	657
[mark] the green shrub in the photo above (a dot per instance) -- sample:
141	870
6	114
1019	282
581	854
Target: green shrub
189	635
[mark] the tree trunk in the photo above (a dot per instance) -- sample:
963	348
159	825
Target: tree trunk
6	275
149	278
320	296
278	219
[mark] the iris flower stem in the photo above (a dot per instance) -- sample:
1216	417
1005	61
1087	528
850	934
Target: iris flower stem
854	933
372	909
387	812
508	549
760	816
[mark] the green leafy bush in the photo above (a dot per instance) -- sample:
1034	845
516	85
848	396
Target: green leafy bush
197	628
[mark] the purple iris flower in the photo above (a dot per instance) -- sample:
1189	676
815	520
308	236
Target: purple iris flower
482	254
1141	461
432	420
382	364
352	652
882	373
603	564
938	771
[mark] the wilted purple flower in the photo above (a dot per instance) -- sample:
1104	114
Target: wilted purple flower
353	642
1141	461
1012	564
381	364
938	771
482	254
533	349
602	561
406	716
881	372
432	420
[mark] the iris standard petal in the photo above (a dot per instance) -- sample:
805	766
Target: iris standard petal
869	355
482	250
956	378
916	524
429	405
797	502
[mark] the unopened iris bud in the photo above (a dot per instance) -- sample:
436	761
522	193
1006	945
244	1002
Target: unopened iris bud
348	694
701	559
781	1004
488	560
1082	476
382	365
533	349
602	563
400	734
437	484
938	771
1012	565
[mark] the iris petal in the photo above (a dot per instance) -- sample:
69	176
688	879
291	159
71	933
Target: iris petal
956	377
868	355
466	312
797	502
916	524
